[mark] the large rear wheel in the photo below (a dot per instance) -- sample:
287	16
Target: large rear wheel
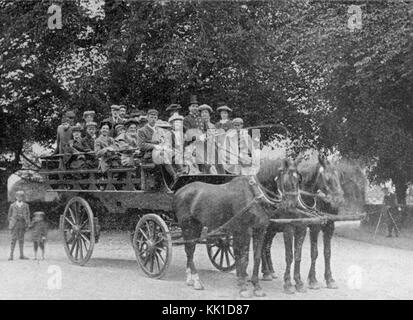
78	230
153	245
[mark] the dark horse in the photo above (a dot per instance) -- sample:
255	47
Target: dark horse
237	207
320	176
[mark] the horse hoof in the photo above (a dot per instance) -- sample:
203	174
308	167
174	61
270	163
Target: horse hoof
267	277
300	288
190	283
198	286
247	293
289	289
332	284
259	293
314	285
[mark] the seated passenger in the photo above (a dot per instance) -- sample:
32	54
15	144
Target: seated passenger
119	129
128	143
106	149
77	148
88	116
147	140
90	136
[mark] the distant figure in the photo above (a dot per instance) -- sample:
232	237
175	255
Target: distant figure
391	206
19	221
39	233
88	116
122	112
113	119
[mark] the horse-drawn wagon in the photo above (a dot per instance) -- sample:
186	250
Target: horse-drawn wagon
144	189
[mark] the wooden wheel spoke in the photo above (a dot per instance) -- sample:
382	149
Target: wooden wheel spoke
221	260
143	233
216	253
152	261
160	256
81	248
72	215
72	248
84	238
77	249
227	258
157	261
70	222
231	253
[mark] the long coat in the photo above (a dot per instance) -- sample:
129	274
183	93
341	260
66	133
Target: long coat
192	121
64	135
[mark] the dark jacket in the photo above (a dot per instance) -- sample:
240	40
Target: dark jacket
18	213
192	121
145	142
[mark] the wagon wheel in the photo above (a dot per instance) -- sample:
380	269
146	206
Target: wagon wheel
78	230
153	245
221	253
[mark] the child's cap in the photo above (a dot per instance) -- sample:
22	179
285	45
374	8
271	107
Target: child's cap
39	213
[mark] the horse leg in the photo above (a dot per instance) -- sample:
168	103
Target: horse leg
327	236
299	236
267	266
288	244
191	230
258	239
241	242
312	279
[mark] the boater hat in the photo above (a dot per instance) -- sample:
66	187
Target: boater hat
91	124
88	113
77	129
237	121
122	106
115	107
130	122
152	111
174	107
205	107
223	107
176	117
38	213
163	124
118	126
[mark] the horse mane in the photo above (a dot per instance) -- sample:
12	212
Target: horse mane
269	169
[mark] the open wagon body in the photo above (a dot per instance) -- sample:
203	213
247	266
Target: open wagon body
145	190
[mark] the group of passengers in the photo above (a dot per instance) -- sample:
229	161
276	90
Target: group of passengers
123	138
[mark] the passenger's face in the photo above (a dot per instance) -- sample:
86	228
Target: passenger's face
122	112
104	130
89	118
115	113
152	118
238	126
193	108
205	114
19	197
71	120
224	115
77	135
132	129
91	130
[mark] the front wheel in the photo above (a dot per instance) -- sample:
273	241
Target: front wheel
152	244
78	230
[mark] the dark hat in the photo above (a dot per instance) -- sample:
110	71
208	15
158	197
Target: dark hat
77	128
91	124
105	122
130	122
87	113
114	107
222	106
238	120
70	114
205	107
193	100
136	114
152	111
173	107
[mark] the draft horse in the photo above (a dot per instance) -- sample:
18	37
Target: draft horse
319	180
236	207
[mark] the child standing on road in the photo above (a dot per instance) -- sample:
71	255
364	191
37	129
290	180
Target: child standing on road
39	232
19	220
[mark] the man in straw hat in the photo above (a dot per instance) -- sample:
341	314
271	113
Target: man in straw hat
173	109
19	221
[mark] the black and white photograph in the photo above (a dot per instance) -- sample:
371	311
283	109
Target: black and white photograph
225	152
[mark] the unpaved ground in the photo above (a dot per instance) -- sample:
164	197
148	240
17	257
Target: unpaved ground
362	270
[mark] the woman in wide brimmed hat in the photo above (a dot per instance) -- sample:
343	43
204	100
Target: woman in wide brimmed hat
225	122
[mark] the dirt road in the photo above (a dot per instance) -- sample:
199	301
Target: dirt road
362	270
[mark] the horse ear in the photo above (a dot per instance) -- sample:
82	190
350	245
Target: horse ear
286	164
